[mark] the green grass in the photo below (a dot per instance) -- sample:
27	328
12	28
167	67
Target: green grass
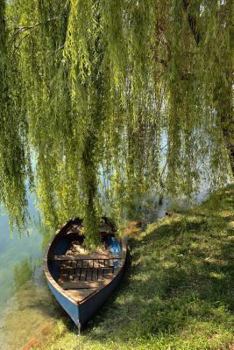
178	291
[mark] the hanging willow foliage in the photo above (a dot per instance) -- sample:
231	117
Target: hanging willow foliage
110	100
13	133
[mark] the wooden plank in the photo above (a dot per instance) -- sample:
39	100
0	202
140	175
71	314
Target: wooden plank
85	257
79	295
85	284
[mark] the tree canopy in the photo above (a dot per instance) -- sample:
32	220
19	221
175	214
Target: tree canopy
102	101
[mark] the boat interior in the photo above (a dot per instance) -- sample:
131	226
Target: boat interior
81	273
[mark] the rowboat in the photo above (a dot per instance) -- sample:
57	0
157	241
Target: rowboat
80	281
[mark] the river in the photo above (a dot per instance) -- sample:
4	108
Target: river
26	306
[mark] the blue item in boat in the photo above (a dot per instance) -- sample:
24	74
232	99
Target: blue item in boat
114	248
113	245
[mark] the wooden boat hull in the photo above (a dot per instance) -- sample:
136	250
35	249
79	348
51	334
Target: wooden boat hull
82	311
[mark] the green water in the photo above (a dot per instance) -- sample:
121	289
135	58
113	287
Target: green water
26	306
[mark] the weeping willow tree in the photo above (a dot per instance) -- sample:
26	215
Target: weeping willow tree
109	100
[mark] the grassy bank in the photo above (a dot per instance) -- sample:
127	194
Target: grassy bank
177	293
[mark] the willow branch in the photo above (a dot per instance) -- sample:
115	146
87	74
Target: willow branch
22	29
192	22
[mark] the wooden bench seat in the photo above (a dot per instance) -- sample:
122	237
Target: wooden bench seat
79	294
77	284
93	256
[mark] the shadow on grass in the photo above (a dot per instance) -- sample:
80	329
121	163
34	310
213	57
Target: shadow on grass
181	274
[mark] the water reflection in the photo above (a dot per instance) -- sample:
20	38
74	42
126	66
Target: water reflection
23	272
26	306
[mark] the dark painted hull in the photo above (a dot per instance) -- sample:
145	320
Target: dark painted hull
80	312
69	305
